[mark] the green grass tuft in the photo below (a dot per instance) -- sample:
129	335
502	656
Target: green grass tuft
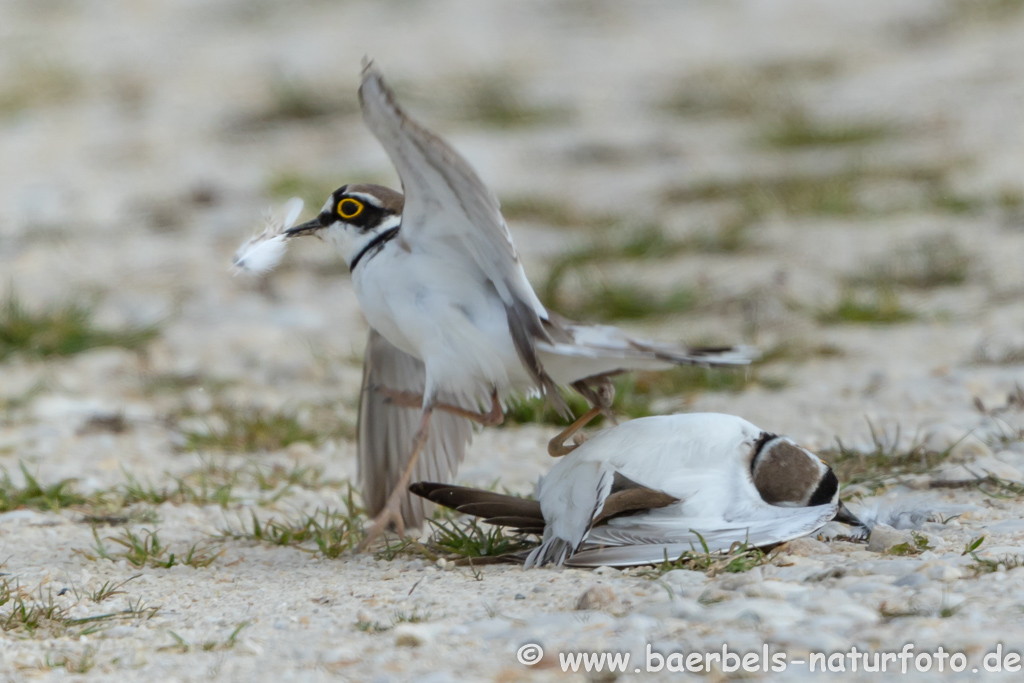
213	484
61	330
538	410
995	487
497	101
607	301
372	626
965	12
249	430
176	383
45	615
109	590
799	351
797	130
885	462
312	190
72	663
741	557
744	92
145	549
34	495
933	262
810	195
555	212
37	84
183	646
916	546
295	100
200	487
990	565
331	533
837	193
883	309
465	538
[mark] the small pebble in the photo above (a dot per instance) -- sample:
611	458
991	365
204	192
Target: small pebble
805	547
599	597
884	537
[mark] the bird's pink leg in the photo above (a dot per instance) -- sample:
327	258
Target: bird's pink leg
392	512
412	399
557	447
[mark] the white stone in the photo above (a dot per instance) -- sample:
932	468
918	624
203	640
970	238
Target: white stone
414	635
884	537
607	571
805	547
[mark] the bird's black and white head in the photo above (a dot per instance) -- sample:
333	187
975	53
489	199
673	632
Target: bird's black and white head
356	219
789	475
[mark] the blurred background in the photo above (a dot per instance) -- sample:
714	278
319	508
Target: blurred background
838	183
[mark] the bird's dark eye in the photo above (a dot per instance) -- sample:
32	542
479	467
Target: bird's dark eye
349	208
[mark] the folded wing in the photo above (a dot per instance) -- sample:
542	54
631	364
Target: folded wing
621	545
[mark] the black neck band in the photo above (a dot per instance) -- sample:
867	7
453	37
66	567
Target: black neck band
377	241
759	445
825	491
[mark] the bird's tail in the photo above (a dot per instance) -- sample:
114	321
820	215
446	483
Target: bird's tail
580	351
522	514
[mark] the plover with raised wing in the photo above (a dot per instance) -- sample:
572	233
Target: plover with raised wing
454	321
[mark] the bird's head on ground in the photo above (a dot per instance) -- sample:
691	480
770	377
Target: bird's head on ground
789	475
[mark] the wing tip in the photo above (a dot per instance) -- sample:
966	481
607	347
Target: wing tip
372	77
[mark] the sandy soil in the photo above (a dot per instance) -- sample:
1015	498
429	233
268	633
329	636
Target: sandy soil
140	143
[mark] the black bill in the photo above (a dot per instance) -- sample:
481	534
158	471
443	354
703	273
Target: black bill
844	515
307	228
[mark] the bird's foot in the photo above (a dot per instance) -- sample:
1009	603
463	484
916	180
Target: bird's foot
557	446
388	518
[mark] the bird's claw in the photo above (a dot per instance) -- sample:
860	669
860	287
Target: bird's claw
391	514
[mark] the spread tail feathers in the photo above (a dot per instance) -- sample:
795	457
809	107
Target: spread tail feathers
578	351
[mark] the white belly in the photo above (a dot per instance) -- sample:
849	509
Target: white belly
449	318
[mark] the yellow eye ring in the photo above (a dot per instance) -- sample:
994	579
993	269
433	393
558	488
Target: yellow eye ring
349	208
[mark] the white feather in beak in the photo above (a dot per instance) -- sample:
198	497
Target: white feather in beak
263	252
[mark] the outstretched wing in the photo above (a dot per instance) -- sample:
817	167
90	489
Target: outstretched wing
449	211
386	431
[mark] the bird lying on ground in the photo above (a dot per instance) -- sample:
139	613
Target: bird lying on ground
655	487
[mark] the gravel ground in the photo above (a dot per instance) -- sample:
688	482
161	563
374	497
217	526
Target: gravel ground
865	159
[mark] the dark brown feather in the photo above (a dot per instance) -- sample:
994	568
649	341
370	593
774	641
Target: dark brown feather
523	524
627	497
485	504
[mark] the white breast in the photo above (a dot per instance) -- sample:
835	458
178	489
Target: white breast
447	316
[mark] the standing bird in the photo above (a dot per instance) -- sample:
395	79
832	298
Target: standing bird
454	322
655	487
